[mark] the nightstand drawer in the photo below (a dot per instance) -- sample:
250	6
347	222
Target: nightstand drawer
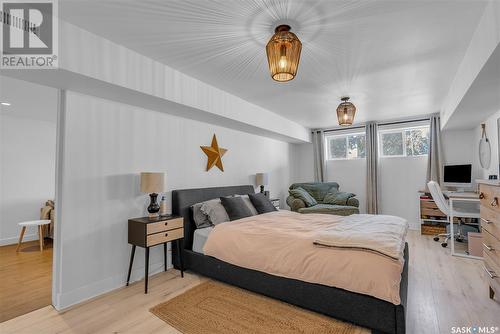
159	238
166	225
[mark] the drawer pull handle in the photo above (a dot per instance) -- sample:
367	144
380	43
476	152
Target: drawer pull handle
166	223
494	202
486	220
491	249
481	195
166	234
490	273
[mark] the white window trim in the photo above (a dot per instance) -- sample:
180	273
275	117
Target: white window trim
403	133
346	136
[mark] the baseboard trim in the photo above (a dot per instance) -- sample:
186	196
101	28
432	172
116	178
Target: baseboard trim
14	240
85	293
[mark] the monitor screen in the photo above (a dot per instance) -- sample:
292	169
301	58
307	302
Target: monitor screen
458	173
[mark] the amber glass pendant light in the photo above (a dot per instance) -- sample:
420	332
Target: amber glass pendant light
283	54
345	112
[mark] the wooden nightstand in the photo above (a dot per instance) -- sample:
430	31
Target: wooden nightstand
148	232
276	202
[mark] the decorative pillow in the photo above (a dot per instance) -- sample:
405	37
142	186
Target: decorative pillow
337	198
215	211
248	202
201	220
261	203
303	195
235	207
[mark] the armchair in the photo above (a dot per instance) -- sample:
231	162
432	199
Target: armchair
318	191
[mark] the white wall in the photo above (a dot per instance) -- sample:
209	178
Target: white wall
400	181
460	147
107	145
27	155
303	163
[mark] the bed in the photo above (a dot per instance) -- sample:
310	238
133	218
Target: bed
363	310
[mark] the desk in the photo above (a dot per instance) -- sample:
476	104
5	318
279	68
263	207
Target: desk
461	194
463	197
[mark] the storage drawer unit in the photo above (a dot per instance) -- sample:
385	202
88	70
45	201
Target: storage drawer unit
489	194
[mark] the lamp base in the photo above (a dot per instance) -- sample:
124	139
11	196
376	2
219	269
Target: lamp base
262	189
153	207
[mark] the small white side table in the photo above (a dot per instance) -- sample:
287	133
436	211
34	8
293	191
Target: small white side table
40	224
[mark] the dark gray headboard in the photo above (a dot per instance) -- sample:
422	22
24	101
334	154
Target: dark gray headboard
183	199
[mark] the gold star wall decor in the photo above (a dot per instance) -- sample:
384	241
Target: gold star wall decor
214	154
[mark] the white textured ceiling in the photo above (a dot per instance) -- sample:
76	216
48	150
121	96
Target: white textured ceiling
394	58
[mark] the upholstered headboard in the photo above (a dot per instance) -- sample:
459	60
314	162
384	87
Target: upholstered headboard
183	199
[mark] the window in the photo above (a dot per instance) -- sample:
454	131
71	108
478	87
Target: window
404	142
350	146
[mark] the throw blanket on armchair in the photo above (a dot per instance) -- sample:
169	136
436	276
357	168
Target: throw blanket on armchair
381	234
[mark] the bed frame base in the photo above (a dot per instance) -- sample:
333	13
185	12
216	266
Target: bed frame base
363	310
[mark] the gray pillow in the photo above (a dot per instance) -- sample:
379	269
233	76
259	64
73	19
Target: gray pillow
215	211
235	208
200	219
262	203
248	202
303	195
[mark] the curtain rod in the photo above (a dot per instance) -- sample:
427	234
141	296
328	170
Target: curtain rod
378	123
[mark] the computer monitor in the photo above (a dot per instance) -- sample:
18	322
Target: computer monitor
458	176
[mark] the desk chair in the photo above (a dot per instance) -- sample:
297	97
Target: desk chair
443	205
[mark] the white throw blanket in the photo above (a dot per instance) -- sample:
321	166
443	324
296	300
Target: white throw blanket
382	234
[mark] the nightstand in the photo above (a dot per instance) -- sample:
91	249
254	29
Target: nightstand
276	202
148	232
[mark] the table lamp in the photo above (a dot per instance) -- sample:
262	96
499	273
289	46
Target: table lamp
153	183
262	179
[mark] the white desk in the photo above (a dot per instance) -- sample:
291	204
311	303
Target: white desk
461	194
456	196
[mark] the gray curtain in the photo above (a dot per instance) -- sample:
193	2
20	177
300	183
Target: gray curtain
434	163
371	168
318	140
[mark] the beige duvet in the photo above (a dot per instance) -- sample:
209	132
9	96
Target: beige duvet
281	243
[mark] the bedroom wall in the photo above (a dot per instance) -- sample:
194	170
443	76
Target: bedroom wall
459	147
400	181
27	155
106	146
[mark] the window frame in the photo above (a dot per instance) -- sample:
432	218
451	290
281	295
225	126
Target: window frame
346	136
401	130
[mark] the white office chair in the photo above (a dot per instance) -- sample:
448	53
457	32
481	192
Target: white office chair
465	211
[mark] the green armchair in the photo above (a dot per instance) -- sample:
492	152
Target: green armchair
318	191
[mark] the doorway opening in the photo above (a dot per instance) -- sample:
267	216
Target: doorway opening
28	127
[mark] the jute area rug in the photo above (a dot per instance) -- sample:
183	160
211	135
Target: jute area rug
214	307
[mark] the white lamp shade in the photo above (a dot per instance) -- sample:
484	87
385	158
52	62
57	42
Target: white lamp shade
262	179
152	182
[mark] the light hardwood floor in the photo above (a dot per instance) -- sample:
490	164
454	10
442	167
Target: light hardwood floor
26	278
444	291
